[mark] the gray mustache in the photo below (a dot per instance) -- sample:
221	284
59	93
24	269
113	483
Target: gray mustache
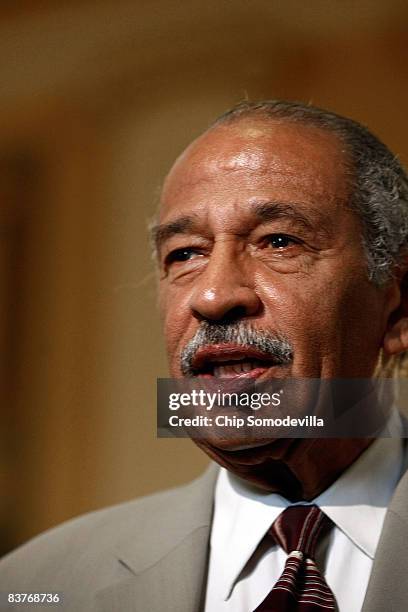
273	345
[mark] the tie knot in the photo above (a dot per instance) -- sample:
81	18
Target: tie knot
299	528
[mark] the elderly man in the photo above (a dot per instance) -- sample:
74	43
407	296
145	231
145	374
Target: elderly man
281	246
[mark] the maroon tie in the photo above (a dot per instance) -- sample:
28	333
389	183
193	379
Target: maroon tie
301	586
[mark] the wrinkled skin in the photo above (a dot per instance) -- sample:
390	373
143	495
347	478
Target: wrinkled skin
300	273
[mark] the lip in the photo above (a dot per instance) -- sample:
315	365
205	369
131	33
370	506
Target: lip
231	352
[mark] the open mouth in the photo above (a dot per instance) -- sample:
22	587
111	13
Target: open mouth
232	362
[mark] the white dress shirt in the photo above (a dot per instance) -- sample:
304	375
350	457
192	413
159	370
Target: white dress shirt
241	573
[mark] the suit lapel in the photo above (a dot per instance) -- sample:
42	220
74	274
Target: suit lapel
175	584
171	573
388	585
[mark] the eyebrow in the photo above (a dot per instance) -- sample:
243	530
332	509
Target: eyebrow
263	211
161	233
269	211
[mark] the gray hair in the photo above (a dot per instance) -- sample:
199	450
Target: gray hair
379	183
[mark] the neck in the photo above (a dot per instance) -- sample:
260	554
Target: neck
299	470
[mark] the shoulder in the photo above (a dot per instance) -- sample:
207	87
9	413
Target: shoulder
86	549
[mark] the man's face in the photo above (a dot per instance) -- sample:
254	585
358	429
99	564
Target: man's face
256	231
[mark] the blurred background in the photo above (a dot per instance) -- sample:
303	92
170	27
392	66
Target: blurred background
97	98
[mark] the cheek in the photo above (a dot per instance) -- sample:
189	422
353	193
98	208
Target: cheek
175	315
295	307
317	318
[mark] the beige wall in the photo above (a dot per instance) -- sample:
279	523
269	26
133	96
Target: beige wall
97	100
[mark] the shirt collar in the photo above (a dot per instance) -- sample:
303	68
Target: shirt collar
356	502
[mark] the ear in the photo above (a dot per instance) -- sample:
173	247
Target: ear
396	337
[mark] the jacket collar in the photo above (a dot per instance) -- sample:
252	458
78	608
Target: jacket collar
388	586
170	574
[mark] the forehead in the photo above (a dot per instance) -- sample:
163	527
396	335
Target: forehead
250	159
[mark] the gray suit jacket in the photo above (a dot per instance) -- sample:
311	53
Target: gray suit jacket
151	555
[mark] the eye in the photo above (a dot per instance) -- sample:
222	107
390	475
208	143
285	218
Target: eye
179	255
280	241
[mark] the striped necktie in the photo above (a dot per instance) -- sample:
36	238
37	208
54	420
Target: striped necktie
301	586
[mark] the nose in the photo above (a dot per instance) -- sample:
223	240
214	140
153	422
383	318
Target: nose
225	289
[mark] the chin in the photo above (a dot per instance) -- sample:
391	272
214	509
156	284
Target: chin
232	446
229	452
